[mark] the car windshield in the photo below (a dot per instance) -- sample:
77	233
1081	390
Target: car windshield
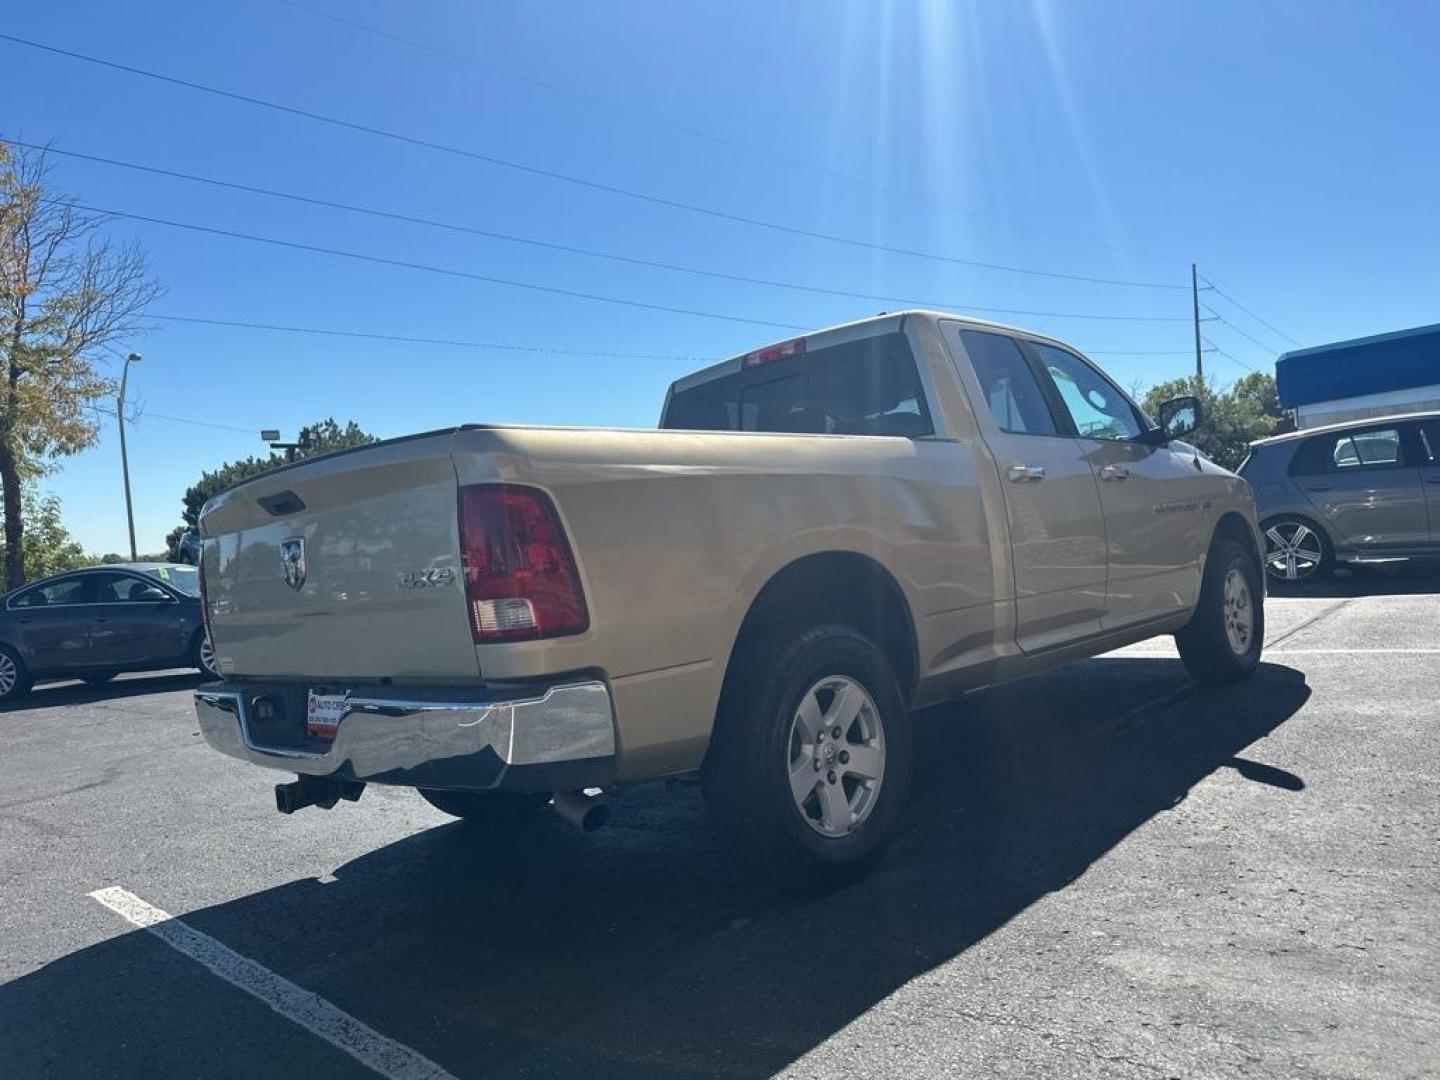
185	579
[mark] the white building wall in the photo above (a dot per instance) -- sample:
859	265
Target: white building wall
1390	403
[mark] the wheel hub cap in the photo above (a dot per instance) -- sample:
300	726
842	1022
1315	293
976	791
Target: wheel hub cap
1239	615
1292	551
836	756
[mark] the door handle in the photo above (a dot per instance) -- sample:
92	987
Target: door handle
1021	474
1114	472
1319	487
101	618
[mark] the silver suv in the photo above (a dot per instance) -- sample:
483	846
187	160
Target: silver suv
1364	491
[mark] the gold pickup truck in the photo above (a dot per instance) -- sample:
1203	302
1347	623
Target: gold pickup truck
823	535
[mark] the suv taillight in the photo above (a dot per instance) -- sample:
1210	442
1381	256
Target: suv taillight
521	581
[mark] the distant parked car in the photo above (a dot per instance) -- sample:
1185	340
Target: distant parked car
93	624
1364	491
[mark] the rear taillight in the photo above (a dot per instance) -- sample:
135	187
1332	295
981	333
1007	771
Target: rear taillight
521	581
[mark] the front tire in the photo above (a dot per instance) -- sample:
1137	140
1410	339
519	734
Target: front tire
14	676
809	767
1222	642
500	809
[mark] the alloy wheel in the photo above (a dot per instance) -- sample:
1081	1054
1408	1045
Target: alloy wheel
836	756
207	656
1292	551
9	674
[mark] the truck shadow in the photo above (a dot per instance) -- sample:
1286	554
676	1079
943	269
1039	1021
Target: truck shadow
644	950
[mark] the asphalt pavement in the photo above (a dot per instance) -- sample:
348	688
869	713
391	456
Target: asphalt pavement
1108	872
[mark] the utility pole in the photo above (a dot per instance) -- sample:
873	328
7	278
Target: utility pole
1195	303
124	458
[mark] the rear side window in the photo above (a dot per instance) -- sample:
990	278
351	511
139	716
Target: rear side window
67	591
866	387
1011	390
1351	451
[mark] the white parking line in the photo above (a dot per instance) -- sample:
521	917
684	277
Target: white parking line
1173	654
312	1012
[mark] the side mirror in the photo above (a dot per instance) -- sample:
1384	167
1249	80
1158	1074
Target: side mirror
153	593
1180	416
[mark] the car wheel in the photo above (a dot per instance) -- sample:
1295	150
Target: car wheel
809	767
1295	550
1222	642
14	677
494	808
203	656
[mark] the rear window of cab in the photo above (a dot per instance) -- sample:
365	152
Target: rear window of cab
865	387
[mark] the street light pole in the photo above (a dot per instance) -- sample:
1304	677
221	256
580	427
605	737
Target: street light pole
124	459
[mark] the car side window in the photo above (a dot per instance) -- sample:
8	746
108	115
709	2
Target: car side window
1011	390
1096	405
65	591
113	588
1350	451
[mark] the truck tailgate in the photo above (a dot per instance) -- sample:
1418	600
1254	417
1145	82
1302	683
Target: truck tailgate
345	567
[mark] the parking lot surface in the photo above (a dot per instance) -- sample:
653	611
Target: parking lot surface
1109	872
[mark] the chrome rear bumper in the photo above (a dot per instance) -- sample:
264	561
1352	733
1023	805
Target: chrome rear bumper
556	738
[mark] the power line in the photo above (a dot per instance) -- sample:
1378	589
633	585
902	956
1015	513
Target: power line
723	140
405	339
1234	360
541	349
144	413
571	250
1143	352
1269	326
381	260
1253	340
595	185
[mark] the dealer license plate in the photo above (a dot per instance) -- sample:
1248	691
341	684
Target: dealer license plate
323	714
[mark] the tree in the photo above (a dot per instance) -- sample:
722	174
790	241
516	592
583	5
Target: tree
1248	410
48	546
322	437
67	298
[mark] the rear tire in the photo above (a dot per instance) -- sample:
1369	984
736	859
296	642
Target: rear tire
202	656
1226	634
1296	550
497	808
809	767
14	676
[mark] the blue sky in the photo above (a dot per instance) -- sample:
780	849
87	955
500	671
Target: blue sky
1288	148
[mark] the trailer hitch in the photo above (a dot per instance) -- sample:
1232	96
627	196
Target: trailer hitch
320	791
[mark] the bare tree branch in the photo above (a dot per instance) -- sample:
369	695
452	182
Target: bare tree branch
68	297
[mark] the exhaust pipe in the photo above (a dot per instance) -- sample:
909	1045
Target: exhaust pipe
315	791
586	812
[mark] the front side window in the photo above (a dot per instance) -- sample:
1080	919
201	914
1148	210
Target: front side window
1097	407
115	588
66	591
1011	390
178	576
865	387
